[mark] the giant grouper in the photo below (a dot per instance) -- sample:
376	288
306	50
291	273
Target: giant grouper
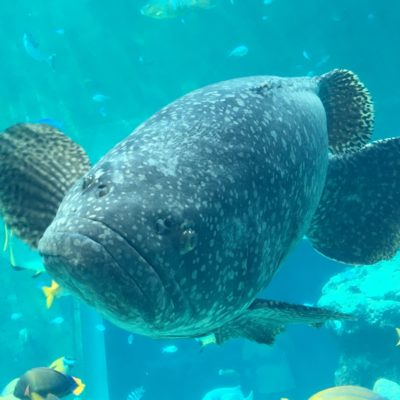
174	232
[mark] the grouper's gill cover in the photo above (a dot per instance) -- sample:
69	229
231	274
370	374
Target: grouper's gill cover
189	217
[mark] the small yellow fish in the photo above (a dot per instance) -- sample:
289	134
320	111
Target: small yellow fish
51	292
8	244
63	364
80	386
346	393
166	9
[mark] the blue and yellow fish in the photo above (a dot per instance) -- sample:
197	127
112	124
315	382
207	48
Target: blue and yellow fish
166	9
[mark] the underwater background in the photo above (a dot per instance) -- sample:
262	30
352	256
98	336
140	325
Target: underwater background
96	69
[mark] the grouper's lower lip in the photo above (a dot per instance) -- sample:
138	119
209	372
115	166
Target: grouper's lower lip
77	257
74	259
102	267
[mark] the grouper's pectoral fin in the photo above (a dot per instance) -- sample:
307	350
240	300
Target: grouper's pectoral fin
265	319
38	165
358	217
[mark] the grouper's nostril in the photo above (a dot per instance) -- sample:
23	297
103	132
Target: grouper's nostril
87	181
164	225
102	190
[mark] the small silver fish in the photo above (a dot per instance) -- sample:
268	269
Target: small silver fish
23	335
239	51
227	372
100	327
57	321
306	55
32	48
16	316
136	394
100	97
169	349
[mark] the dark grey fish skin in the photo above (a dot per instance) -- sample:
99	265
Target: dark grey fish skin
175	231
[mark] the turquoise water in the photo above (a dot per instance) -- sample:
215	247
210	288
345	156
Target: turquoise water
114	67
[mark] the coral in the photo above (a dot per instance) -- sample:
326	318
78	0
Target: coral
371	294
387	389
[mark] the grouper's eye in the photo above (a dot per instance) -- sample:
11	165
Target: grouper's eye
188	240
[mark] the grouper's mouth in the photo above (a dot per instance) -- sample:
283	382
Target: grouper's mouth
96	263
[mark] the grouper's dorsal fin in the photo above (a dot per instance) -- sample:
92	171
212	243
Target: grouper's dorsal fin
38	164
349	110
358	217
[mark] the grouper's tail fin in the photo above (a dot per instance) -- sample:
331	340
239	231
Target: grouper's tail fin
349	110
38	164
358	218
265	319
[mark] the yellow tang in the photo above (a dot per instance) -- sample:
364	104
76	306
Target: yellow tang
346	393
52	292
